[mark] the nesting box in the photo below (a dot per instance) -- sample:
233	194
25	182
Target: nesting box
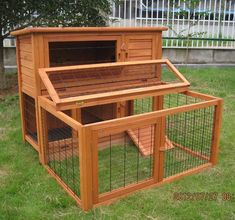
108	115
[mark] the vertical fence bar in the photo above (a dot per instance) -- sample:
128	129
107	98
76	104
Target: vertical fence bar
157	17
216	131
229	22
173	23
130	11
151	13
219	22
135	12
183	24
214	21
208	24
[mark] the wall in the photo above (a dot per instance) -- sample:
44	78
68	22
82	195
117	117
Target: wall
176	55
200	56
10	56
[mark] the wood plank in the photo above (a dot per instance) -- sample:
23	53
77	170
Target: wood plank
26	55
27	71
27	64
26	47
140	52
28	79
135	44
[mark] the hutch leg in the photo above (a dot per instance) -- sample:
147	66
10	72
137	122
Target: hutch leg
22	114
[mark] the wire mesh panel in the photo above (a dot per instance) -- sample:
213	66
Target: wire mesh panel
29	110
122	159
191	135
179	99
60	144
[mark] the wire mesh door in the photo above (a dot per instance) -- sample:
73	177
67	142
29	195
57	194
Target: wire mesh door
127	157
61	149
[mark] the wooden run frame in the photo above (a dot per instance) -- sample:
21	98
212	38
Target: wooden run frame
88	147
112	96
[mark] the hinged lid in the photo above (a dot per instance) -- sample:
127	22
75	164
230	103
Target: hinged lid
94	84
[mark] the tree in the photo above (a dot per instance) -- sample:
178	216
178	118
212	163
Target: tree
17	14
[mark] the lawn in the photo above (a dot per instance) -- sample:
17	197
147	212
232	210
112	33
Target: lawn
28	192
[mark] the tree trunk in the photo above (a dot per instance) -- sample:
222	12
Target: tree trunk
2	75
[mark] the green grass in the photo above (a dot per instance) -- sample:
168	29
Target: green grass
28	192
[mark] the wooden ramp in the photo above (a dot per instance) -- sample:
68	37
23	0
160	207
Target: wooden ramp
143	138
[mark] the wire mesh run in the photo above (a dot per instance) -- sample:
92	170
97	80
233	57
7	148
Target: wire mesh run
122	159
61	149
191	135
29	110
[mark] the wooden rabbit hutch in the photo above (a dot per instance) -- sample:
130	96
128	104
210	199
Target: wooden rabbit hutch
107	114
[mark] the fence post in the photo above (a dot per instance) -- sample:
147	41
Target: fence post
85	158
216	131
42	135
159	141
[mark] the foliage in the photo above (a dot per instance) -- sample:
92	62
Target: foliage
17	14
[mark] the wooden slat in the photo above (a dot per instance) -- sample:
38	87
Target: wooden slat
140	52
26	55
27	71
28	79
26	47
136	44
26	63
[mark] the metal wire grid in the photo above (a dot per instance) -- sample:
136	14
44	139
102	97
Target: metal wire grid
191	134
142	105
61	147
120	162
178	99
30	117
